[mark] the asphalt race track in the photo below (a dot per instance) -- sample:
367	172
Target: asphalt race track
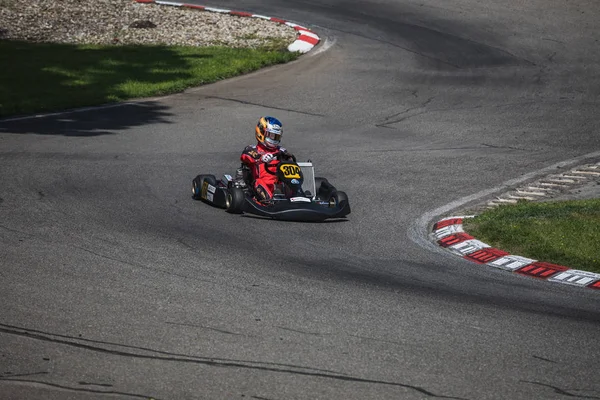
116	284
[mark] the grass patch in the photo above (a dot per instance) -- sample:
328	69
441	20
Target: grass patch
42	77
565	233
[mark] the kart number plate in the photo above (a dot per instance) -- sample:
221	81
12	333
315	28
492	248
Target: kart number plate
290	171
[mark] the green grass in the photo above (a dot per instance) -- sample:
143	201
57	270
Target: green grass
565	233
41	77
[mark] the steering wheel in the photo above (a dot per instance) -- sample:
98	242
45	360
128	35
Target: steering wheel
289	156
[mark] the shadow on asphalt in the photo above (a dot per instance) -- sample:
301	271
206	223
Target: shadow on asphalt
92	122
442	43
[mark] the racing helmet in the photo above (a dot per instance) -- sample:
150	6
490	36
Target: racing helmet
269	131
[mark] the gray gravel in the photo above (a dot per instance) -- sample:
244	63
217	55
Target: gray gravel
127	22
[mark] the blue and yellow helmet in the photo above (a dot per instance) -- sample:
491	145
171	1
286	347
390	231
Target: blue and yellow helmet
269	131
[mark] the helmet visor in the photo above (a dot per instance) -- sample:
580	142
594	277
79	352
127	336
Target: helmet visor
274	136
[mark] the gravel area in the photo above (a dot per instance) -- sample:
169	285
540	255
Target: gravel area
127	22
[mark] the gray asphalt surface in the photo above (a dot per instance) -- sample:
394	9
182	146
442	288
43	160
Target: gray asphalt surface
115	284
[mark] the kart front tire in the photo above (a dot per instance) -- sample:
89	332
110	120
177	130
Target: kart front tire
323	188
319	181
337	198
234	202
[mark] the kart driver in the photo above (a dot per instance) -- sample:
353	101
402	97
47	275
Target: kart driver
257	157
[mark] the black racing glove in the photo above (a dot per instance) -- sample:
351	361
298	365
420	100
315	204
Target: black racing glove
286	155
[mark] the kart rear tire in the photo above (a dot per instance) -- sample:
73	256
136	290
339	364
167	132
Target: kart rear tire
337	198
198	182
234	201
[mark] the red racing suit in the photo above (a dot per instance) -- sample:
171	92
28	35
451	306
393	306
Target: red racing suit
264	182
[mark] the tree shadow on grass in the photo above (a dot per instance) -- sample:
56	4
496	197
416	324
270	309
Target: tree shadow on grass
43	77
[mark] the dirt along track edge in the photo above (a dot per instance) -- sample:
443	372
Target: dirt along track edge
305	42
447	235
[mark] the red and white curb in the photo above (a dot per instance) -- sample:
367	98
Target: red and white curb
449	233
306	40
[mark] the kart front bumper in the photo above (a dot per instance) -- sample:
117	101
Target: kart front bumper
309	212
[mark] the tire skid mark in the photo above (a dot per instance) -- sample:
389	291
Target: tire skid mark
212	362
303	332
75	389
248	103
27	332
544	359
564	392
94	384
393	119
207	328
387	122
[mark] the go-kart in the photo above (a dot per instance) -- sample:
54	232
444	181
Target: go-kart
298	194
